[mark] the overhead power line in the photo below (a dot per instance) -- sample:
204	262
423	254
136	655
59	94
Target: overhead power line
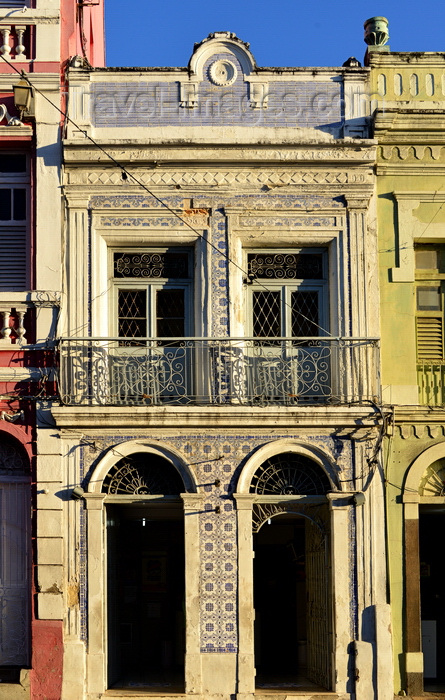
126	174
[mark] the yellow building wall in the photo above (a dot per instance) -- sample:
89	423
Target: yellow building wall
409	93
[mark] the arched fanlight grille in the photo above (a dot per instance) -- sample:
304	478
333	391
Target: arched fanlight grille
143	473
290	474
432	482
13	461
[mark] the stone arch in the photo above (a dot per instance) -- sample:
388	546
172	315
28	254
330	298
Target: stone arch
277	447
126	449
419	466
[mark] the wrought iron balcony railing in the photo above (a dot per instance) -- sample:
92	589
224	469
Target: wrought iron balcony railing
218	371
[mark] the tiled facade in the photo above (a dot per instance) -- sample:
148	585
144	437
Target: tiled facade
225	160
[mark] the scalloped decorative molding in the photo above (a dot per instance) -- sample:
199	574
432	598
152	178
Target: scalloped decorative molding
411	154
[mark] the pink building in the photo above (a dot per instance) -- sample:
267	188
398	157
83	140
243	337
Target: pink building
39	37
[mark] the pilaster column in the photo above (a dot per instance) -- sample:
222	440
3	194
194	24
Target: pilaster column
362	267
413	630
246	650
77	256
96	676
341	574
193	506
74	656
404	245
374	614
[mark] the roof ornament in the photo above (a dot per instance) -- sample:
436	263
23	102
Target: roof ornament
376	31
351	62
376	36
221	57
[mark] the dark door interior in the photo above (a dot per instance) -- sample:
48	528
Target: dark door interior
432	594
145	596
280	601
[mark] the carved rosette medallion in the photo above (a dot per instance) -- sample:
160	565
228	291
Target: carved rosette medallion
223	72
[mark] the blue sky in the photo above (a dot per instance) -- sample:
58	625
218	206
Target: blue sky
280	32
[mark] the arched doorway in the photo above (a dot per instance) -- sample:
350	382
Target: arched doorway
15	558
432	570
424	519
145	573
293	628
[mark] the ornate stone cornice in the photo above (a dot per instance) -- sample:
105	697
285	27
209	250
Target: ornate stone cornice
358	152
101	417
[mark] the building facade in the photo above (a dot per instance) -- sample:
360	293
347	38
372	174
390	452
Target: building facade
220	415
409	127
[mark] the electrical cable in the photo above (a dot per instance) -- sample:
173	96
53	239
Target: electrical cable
127	174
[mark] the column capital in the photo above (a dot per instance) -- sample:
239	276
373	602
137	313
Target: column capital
94	501
340	500
408	497
192	501
244	501
357	201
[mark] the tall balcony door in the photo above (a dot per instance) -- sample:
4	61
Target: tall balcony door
287	307
152	313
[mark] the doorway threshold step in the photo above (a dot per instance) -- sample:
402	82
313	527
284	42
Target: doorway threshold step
297	694
150	695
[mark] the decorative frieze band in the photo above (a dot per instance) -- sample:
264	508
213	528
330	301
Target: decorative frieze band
170	222
286	221
202	205
269	179
134	201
